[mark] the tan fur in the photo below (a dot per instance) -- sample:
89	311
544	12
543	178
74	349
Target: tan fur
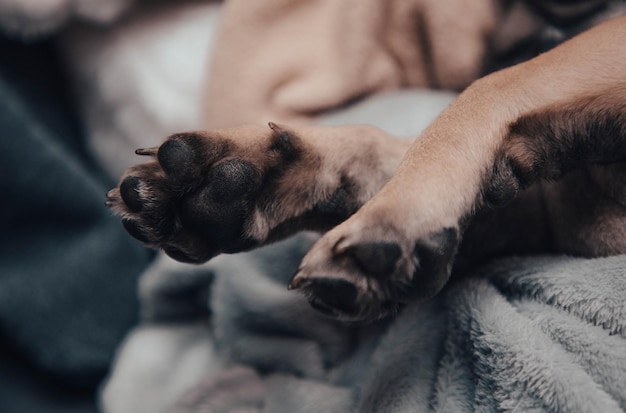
440	181
547	137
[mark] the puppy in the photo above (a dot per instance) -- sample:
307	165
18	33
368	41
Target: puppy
529	159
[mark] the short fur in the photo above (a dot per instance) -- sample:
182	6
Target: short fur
538	141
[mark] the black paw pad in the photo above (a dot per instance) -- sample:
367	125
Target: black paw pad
435	255
233	179
340	205
329	295
220	223
179	255
133	229
129	190
502	185
176	158
376	259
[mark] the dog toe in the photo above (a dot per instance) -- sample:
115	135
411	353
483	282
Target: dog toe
179	255
331	295
186	157
433	257
343	296
133	228
176	158
233	179
375	259
129	191
361	275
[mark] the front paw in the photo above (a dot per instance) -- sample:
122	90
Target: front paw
358	274
226	191
192	200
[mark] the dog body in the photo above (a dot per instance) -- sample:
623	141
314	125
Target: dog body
528	159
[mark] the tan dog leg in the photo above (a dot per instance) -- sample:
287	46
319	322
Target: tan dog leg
234	189
563	110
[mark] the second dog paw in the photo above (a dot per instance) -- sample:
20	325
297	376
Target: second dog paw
366	275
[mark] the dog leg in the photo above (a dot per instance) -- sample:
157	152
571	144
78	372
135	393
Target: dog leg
536	121
235	189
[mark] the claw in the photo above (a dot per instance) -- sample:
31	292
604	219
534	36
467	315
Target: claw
112	197
147	151
297	281
275	127
284	141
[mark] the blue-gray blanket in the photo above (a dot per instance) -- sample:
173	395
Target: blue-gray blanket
520	335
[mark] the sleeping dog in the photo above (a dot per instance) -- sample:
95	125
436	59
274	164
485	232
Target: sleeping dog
528	159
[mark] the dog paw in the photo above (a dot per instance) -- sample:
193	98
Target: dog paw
227	191
362	274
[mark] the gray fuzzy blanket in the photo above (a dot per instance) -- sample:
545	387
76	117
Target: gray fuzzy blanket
521	335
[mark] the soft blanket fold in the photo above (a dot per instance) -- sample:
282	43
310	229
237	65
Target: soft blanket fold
532	334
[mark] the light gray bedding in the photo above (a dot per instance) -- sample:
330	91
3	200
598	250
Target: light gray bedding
522	334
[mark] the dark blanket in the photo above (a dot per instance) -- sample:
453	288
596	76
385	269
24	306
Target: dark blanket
68	270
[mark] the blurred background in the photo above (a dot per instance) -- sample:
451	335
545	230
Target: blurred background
82	84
